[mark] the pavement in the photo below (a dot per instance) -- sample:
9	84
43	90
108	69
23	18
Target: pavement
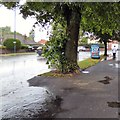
92	94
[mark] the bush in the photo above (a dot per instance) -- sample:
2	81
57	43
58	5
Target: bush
23	46
2	47
9	43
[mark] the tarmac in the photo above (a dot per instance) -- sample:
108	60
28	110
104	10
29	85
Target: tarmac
92	94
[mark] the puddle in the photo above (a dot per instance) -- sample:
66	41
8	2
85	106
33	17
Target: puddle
114	105
86	72
106	81
110	64
117	65
108	78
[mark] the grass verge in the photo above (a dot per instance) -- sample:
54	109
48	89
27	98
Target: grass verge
56	73
14	54
89	62
82	64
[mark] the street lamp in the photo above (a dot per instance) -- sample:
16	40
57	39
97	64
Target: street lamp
14	30
14	46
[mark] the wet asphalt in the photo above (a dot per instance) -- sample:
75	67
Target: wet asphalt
84	95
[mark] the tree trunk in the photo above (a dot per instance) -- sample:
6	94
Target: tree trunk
105	52
73	26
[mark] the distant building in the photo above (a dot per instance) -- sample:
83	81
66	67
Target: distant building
93	40
23	38
42	42
5	33
113	43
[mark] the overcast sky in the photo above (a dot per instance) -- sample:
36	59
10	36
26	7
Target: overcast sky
7	18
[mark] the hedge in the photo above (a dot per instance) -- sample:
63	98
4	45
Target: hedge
9	43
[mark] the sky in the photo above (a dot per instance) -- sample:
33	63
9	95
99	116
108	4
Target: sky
23	26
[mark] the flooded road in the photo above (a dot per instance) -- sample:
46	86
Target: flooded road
16	70
15	93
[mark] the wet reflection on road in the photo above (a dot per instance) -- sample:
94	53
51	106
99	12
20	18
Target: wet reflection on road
15	93
16	70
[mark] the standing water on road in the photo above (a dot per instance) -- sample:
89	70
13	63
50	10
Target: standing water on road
15	94
16	70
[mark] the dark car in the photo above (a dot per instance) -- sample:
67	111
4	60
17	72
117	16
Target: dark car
39	51
30	49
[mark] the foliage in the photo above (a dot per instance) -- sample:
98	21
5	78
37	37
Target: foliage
84	40
23	46
32	34
9	43
54	49
116	35
102	17
2	47
99	17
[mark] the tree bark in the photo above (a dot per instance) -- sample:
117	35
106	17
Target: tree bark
73	26
105	52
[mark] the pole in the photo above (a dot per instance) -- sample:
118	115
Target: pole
14	30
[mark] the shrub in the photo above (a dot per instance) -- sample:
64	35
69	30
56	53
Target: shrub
23	46
2	47
9	43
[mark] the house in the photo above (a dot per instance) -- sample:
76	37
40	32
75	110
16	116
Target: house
113	43
42	42
23	38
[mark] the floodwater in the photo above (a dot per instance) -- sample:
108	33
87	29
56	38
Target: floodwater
15	94
16	70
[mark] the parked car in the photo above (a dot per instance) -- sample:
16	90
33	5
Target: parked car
30	48
39	51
